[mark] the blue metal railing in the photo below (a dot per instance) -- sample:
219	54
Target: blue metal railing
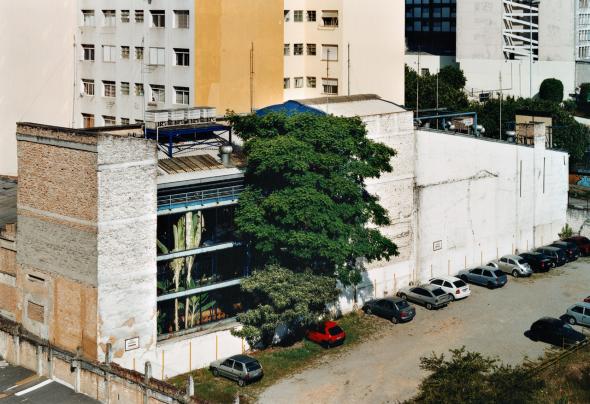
199	198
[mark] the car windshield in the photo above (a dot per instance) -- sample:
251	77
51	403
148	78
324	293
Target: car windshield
402	305
251	366
335	330
459	283
438	292
497	272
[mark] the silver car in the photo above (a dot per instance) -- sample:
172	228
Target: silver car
515	265
240	368
579	313
431	296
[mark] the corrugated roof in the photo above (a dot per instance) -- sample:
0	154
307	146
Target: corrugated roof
354	105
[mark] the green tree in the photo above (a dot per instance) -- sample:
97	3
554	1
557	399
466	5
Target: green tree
450	89
453	76
470	377
551	90
305	205
279	296
584	98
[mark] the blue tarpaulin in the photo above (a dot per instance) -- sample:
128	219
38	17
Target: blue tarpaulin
289	108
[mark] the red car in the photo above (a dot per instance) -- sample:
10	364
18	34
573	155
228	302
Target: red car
327	334
582	242
587	300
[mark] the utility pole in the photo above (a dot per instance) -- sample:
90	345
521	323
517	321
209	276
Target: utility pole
531	49
501	97
348	74
327	78
437	73
252	77
418	86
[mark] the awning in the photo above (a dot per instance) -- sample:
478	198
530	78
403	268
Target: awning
329	14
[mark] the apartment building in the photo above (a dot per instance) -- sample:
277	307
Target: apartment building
136	55
343	47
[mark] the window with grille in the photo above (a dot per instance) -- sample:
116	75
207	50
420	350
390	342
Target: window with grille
311	82
298	82
139	89
139	52
298	49
108	53
286	49
138	15
158	93
157	56
124	121
298	15
109	120
124	88
311	49
87	87
311	15
88	120
88	18
109	89
88	52
158	18
181	18
110	18
330	18
330	86
125	16
181	95
330	52
125	52
286	83
181	57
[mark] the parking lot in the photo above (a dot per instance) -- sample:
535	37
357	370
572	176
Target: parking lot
493	322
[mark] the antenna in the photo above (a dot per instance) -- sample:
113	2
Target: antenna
418	86
348	75
252	77
75	82
327	78
501	97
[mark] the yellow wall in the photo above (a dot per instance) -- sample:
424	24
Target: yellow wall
225	31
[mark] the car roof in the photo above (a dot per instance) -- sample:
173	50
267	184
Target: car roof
428	286
530	253
243	358
511	256
330	324
583	304
550	320
548	247
393	299
446	278
486	267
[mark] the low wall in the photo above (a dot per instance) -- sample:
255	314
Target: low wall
579	220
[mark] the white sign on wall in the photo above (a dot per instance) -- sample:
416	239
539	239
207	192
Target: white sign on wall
131	344
437	245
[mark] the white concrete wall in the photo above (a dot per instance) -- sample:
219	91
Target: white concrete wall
426	61
474	198
37	68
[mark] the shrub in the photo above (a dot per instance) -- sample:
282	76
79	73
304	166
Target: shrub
551	90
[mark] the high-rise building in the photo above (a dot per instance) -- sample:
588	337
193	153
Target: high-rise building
343	47
431	26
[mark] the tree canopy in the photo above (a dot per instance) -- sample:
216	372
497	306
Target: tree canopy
551	90
451	82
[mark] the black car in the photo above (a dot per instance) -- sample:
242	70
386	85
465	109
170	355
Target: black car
571	249
555	331
537	261
394	309
556	254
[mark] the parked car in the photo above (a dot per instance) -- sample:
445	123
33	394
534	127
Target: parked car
493	264
431	296
571	249
582	242
328	334
556	254
392	308
241	368
587	300
579	313
485	276
515	265
537	261
455	287
555	331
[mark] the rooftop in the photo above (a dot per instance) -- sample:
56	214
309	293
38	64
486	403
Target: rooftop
353	105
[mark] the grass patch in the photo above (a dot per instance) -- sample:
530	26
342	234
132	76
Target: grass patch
280	362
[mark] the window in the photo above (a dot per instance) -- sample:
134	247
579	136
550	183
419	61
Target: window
124	121
181	57
311	15
330	18
476	271
330	86
139	89
578	309
286	83
109	89
124	52
88	52
286	49
330	52
138	15
158	18
109	120
487	273
139	52
88	18
298	15
88	120
124	88
108	53
181	19
311	49
438	282
311	82
425	71
157	56
124	16
286	15
298	49
298	81
87	87
110	18
158	93
181	95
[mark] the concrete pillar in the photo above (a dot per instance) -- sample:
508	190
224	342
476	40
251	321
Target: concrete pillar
16	340
39	360
76	367
109	355
146	378
49	363
190	387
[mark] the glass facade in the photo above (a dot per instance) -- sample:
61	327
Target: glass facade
431	26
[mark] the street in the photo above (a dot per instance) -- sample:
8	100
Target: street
492	322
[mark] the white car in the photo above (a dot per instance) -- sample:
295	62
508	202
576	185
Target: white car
455	287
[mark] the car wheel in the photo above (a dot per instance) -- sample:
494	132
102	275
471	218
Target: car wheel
429	306
241	382
404	296
572	321
215	372
490	285
452	296
515	273
368	311
394	320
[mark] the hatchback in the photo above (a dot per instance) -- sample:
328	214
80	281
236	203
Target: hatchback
392	308
515	265
537	261
582	242
556	254
431	296
327	334
579	313
485	276
571	249
240	368
555	331
455	287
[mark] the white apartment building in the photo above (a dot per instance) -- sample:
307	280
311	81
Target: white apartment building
343	47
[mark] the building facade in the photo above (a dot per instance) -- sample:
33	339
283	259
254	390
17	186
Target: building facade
328	46
431	26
